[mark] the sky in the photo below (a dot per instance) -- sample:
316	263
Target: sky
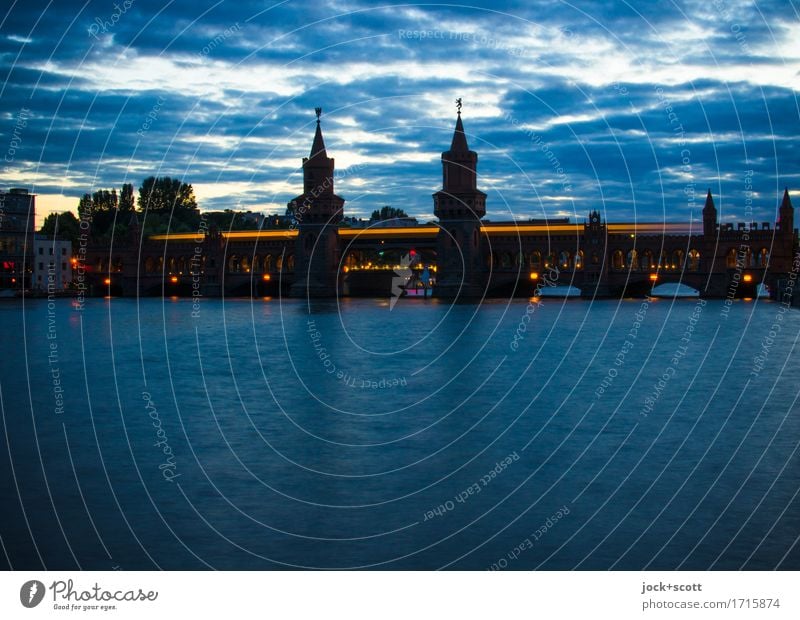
634	109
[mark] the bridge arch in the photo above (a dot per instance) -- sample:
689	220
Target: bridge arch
561	290
674	289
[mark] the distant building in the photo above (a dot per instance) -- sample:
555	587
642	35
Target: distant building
17	216
52	263
277	221
395	222
253	218
355	222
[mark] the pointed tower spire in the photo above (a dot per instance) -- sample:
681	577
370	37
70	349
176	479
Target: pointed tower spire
709	200
787	202
786	214
459	164
709	216
318	147
459	143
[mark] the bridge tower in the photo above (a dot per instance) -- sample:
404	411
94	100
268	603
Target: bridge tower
596	259
459	205
786	215
709	218
317	215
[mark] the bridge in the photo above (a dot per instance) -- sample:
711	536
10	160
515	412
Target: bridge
463	255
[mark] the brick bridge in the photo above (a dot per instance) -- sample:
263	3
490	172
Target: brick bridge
463	255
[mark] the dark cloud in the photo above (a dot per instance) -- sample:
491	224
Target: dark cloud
223	95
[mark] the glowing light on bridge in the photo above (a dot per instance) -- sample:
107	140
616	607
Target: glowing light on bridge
747	277
107	281
653	277
174	279
266	277
534	275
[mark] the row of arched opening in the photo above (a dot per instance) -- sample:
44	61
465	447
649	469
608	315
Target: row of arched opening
689	261
259	264
738	257
177	265
646	260
632	260
563	260
104	265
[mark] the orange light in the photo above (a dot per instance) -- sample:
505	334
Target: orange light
653	277
174	279
346	269
748	277
265	277
107	281
534	275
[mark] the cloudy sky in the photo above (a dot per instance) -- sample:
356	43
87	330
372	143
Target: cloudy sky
634	109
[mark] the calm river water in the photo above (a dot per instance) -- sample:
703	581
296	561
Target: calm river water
262	434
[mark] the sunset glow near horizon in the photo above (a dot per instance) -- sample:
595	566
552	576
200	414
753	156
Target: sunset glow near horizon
635	111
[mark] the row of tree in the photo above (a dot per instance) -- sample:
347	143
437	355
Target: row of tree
164	205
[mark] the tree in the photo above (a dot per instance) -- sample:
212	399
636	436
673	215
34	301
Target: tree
126	197
63	226
387	213
165	195
104	201
85	206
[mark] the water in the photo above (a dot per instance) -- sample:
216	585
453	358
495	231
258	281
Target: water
267	434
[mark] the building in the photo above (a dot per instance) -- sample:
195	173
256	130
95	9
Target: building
17	217
52	264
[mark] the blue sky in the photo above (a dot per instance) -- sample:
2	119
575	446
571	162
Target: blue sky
634	109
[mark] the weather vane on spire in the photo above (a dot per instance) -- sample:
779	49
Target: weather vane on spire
458	105
319	113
